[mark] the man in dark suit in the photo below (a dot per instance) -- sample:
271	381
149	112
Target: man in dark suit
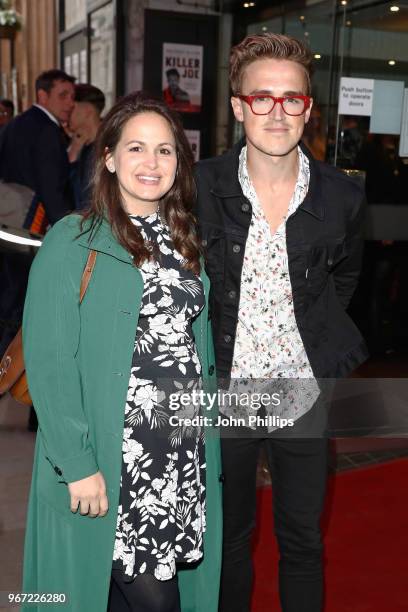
34	161
33	149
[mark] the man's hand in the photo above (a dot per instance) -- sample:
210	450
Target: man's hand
90	495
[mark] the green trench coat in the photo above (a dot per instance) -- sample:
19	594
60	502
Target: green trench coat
78	361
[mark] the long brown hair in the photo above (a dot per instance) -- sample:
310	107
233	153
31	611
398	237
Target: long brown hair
176	205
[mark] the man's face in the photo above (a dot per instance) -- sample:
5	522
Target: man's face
173	81
276	134
59	101
5	115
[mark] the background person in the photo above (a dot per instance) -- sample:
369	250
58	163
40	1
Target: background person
105	448
35	170
84	124
33	151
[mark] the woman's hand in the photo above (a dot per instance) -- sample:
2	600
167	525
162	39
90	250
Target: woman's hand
90	495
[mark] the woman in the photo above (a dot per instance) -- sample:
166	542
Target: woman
117	492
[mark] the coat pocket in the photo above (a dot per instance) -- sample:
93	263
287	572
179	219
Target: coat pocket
322	259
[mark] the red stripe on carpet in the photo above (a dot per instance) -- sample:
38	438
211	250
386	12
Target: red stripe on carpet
366	542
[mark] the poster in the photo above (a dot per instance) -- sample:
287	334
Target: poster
356	96
182	76
193	137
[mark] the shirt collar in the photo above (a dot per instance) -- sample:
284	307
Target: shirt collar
47	112
301	187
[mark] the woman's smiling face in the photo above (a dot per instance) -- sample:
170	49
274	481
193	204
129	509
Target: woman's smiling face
145	162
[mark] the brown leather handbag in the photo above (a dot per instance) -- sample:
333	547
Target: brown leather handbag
13	377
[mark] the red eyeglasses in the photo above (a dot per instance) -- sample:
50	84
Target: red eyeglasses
263	104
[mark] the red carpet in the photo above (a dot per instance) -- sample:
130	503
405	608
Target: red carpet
366	540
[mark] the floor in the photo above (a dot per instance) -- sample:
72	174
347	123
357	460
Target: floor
16	452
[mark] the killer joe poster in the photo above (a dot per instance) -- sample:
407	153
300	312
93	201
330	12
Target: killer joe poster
182	76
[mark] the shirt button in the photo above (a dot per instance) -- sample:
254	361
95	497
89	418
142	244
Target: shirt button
245	207
232	294
227	338
330	262
236	248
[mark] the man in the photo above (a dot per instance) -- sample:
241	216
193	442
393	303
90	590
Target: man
33	150
283	250
84	124
6	112
35	170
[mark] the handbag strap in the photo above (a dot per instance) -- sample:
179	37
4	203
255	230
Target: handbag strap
87	273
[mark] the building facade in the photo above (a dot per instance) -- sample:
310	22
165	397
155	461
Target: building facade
27	51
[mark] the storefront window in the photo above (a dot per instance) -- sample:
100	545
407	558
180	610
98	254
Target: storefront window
74	13
74	57
102	51
373	46
359	41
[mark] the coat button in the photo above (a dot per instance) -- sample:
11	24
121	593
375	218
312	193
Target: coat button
211	370
58	471
232	294
236	248
245	207
221	478
204	243
227	338
330	262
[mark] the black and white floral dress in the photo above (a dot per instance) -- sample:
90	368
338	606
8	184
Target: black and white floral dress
161	514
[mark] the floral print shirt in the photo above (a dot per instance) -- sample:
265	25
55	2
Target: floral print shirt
268	343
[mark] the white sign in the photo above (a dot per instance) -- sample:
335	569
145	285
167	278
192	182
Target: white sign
356	96
387	107
403	145
193	137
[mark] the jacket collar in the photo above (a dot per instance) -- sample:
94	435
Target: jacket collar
228	186
101	239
